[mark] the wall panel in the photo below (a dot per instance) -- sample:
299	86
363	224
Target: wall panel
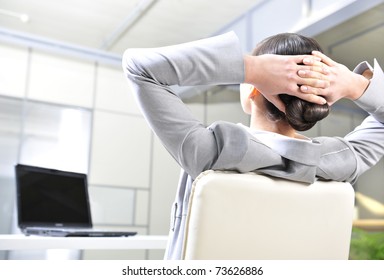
120	150
60	80
113	92
13	70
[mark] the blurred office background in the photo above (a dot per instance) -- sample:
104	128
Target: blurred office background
65	104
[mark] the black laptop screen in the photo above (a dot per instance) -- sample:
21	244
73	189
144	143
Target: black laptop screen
47	197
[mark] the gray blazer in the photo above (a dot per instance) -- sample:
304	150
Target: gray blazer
228	146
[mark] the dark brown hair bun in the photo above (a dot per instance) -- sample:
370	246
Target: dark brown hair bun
300	114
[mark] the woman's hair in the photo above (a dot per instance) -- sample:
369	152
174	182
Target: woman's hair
300	114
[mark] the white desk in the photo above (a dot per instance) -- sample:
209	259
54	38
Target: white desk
21	242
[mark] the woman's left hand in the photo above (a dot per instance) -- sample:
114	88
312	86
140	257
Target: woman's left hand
343	83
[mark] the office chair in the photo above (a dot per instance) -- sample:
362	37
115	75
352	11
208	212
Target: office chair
250	216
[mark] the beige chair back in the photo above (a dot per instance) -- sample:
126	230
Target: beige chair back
249	216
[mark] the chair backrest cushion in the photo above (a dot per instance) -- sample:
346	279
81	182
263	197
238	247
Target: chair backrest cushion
250	216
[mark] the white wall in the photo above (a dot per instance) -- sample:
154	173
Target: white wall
13	71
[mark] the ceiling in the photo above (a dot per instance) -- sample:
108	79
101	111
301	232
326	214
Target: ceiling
113	25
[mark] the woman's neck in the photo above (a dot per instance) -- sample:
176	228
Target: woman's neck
280	127
260	121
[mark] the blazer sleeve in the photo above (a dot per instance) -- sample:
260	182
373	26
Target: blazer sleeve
372	101
367	140
152	72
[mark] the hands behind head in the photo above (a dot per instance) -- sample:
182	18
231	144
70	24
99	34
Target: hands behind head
275	74
320	78
341	82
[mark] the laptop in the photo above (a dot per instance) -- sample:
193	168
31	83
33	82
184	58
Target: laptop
54	202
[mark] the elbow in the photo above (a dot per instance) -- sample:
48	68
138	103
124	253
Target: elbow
128	62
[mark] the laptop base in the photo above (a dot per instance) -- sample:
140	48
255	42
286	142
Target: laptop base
76	232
